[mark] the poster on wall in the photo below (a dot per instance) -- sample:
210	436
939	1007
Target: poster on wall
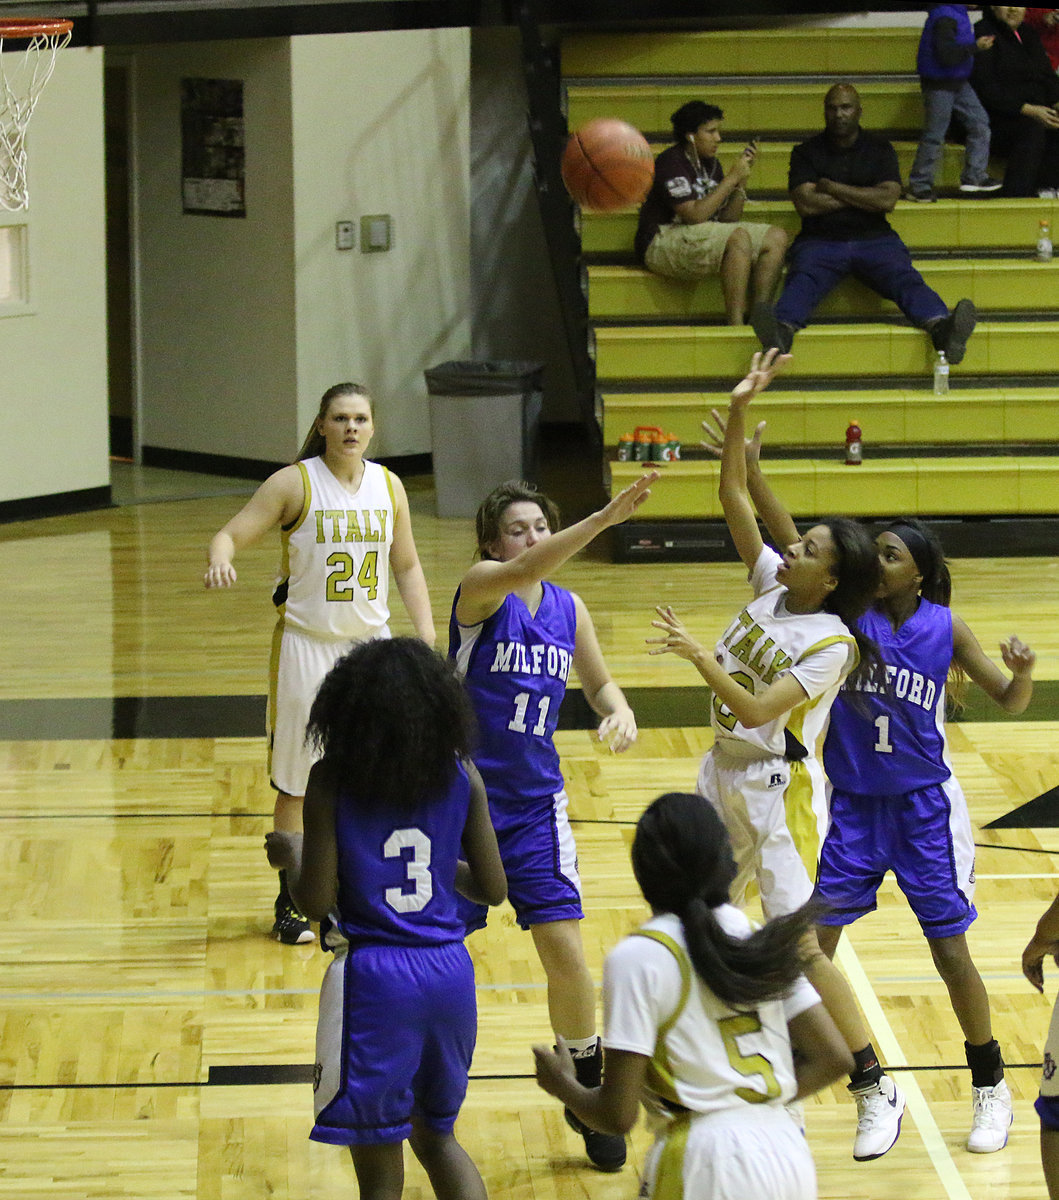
213	149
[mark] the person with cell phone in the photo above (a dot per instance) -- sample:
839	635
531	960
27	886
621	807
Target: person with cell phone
691	224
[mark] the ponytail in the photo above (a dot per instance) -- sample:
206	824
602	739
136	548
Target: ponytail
682	860
859	576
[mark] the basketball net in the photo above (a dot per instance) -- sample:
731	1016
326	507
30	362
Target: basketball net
23	76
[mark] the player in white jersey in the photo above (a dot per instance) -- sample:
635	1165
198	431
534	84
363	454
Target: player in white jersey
774	675
344	525
710	1023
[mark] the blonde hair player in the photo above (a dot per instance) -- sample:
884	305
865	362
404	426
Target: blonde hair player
344	525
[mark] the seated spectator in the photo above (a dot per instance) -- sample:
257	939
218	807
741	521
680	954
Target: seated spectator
843	182
946	55
691	222
1046	22
1020	92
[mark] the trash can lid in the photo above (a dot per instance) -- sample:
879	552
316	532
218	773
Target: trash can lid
483	378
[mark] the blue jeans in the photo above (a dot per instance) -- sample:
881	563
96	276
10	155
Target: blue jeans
939	104
816	265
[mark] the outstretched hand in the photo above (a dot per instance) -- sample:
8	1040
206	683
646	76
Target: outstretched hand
675	638
764	366
1018	657
627	501
715	438
618	730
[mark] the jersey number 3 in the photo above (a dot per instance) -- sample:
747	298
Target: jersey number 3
342	572
417	870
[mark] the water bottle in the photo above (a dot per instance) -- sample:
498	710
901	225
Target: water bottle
1044	242
941	375
854	447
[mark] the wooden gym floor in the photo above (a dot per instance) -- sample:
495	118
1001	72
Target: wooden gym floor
156	1043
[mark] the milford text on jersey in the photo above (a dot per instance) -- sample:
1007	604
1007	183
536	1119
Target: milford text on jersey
517	658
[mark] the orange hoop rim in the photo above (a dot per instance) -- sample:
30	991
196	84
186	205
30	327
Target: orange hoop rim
30	27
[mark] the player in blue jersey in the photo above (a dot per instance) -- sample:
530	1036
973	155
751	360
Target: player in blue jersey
514	637
396	820
893	801
895	805
709	1022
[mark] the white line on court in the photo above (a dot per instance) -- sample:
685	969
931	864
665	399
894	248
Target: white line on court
889	1049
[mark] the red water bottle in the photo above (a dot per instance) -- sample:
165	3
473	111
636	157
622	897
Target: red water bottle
854	449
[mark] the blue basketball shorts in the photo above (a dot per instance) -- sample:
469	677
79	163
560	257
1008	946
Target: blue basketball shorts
540	859
394	1041
924	837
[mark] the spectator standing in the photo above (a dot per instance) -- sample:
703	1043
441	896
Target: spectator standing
944	61
1020	92
843	182
691	223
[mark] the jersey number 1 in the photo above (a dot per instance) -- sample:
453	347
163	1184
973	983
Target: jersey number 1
883	745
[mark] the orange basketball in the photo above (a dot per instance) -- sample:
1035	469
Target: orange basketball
607	164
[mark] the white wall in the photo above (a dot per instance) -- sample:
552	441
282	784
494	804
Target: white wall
381	125
217	293
53	377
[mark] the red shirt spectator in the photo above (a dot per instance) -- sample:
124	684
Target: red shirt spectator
1046	22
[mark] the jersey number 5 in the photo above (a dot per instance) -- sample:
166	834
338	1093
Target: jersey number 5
417	870
342	572
732	1028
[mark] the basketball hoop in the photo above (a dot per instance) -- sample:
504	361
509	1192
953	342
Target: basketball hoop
22	79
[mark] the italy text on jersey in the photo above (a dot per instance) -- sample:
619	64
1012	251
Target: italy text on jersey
351	525
758	652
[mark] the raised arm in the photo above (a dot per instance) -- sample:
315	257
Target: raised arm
770	508
734	493
1012	695
407	570
607	700
278	501
481	877
485	585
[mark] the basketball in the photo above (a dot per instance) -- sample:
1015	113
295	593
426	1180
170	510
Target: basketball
607	164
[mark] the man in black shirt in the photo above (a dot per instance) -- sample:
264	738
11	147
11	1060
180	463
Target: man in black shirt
843	182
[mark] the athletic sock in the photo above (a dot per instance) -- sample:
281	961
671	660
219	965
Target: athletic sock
986	1063
867	1071
588	1060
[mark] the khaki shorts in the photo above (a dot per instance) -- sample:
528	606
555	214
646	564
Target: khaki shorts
691	251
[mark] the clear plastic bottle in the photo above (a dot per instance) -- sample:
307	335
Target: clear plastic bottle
941	374
1044	242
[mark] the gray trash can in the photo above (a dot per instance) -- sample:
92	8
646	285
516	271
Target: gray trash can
484	425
